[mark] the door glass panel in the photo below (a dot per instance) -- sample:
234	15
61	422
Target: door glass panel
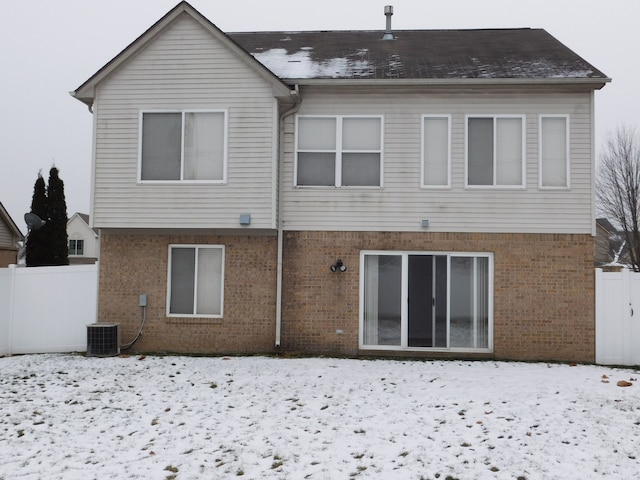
482	302
382	300
427	326
469	302
461	302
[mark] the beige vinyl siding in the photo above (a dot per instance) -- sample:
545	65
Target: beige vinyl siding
402	204
6	235
185	68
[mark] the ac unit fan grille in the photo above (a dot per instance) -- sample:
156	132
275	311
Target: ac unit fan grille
103	339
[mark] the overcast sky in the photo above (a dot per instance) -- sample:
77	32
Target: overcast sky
50	47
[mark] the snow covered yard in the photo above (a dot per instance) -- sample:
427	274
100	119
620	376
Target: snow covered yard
73	417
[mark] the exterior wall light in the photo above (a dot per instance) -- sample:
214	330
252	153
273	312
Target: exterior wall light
338	266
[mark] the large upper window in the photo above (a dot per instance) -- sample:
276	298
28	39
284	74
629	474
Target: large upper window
554	151
183	146
426	301
436	153
339	151
195	281
495	151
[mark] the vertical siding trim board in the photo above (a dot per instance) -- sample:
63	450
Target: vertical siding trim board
275	164
593	161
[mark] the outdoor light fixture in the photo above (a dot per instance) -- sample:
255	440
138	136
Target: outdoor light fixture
338	266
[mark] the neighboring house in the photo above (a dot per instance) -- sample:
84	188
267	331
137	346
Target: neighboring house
450	173
84	243
611	246
10	238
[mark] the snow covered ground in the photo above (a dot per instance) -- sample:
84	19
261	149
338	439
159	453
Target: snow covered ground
73	417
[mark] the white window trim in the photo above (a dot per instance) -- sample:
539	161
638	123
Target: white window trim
339	152
196	246
422	140
404	306
495	117
182	181
568	156
75	237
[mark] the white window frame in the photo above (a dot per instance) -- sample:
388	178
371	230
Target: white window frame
196	247
339	151
567	186
76	239
496	117
181	180
422	152
405	306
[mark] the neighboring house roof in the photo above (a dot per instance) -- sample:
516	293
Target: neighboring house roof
606	225
4	216
85	218
415	56
418	54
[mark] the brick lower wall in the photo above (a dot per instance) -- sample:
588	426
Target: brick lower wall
8	256
131	265
543	290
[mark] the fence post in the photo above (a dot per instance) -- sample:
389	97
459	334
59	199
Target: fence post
12	300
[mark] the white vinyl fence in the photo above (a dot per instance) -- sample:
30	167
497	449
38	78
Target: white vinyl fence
47	309
617	318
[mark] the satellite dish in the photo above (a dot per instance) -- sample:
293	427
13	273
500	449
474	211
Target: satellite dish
34	222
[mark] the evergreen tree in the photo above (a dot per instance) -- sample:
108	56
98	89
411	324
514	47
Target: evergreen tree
48	245
36	248
58	251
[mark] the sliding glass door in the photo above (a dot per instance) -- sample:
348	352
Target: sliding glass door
426	301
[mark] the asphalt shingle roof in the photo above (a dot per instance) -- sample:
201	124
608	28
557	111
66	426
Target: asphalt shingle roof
416	54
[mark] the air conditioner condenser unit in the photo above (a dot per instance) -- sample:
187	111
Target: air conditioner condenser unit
103	339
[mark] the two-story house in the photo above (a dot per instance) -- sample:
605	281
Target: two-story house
347	192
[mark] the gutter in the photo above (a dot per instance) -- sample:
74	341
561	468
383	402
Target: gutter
295	95
597	82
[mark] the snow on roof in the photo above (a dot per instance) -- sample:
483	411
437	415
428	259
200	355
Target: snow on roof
417	54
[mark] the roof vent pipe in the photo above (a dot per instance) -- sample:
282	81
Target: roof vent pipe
388	12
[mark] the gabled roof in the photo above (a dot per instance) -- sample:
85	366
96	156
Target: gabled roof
413	56
86	92
4	216
85	218
504	54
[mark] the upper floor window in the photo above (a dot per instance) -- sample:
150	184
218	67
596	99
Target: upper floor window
495	151
195	280
339	151
183	146
554	151
76	247
436	151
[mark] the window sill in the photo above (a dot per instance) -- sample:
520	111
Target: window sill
181	182
194	321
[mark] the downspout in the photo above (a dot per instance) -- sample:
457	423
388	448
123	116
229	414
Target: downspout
295	95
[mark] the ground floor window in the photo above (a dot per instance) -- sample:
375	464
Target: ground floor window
195	281
426	301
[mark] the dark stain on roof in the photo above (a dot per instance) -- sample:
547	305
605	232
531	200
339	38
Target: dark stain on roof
416	54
